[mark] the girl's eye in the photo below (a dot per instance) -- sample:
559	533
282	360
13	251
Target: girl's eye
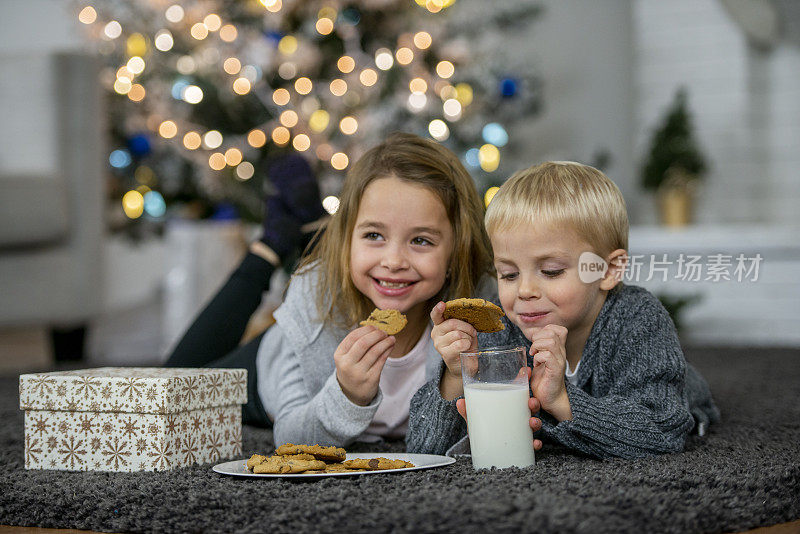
552	273
372	236
508	276
421	241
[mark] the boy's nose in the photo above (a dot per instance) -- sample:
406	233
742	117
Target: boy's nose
528	289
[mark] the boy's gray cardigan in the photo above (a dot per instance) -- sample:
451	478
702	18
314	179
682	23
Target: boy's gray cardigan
635	394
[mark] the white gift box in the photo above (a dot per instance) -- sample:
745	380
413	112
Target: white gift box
132	418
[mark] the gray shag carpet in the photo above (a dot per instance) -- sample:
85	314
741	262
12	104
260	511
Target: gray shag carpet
745	473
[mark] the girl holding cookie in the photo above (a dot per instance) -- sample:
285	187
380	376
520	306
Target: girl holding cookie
408	233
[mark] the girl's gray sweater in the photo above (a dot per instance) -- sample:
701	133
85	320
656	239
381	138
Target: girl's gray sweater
635	394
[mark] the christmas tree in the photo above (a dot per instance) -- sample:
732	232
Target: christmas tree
206	93
673	146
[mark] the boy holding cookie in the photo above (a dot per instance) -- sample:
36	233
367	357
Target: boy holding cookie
608	373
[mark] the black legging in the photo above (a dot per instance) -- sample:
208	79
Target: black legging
213	338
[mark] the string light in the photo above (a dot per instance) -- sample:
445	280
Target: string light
112	30
133	204
288	118
199	31
303	85
232	65
281	136
164	40
404	55
348	125
245	170
212	139
301	142
228	33
213	22
319	120
490	193
216	161
368	77
324	26
445	69
192	140
489	157
192	94
287	45
241	86
330	204
384	59
338	87
438	130
256	138
346	64
233	157
137	93
287	70
87	15
422	40
168	129
174	13
340	161
281	96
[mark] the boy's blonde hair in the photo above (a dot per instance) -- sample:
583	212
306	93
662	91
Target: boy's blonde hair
418	161
563	193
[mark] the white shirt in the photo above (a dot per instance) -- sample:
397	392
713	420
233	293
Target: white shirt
571	375
400	379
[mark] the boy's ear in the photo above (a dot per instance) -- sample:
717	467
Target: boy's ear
617	261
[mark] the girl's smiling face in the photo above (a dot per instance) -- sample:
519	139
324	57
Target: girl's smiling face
401	245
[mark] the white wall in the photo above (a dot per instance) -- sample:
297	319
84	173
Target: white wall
31	30
584	51
746	107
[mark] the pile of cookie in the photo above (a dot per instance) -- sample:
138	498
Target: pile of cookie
316	459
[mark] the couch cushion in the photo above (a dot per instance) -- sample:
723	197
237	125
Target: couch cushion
33	211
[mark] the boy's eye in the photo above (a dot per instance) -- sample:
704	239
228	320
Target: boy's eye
552	273
421	241
508	276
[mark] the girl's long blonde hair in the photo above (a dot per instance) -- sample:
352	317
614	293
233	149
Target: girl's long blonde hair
418	161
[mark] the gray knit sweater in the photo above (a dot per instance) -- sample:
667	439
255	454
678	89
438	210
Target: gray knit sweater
635	394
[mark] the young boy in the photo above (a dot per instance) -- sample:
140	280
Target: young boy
608	372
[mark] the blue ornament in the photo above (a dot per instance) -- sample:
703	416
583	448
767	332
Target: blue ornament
351	15
224	211
154	204
508	87
274	36
139	145
495	134
472	158
119	159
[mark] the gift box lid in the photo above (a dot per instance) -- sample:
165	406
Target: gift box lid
133	389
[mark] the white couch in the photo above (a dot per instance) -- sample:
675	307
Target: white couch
51	221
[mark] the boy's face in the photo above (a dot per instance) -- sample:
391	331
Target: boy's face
538	282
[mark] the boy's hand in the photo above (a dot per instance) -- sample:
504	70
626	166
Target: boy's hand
450	338
535	422
359	360
549	365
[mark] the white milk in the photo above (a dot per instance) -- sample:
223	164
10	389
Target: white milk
498	423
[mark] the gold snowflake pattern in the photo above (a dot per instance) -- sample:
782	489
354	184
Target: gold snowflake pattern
32	449
116	453
41	424
190	450
161	454
213	446
189	388
131	387
42	385
86	386
129	427
141	445
87	424
197	422
72	451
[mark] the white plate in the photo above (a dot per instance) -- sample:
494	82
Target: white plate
420	461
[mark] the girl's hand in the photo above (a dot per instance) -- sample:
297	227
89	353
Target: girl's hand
359	360
450	338
549	365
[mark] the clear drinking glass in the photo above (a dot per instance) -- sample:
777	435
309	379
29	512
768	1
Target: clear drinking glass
496	392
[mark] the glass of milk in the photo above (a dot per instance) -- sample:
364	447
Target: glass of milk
496	392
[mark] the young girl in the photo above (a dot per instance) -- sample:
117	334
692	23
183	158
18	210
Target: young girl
408	233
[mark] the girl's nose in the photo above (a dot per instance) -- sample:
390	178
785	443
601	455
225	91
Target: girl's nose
394	259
